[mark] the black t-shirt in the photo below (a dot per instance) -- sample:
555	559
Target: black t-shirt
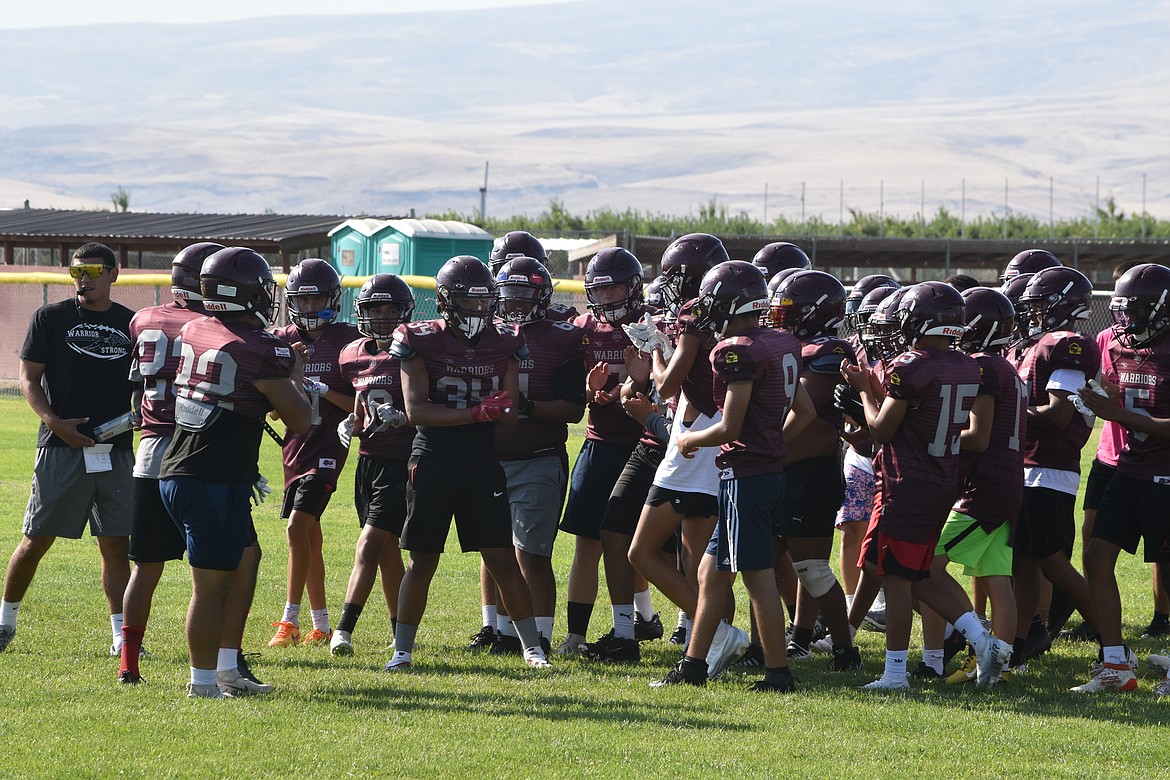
86	355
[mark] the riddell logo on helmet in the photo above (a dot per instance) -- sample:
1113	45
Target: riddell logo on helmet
603	280
760	305
517	278
953	331
215	306
477	291
308	289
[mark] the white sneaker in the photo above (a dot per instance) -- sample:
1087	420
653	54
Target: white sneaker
989	661
535	658
726	649
883	683
399	662
825	644
233	684
571	647
341	643
1109	678
206	692
1160	662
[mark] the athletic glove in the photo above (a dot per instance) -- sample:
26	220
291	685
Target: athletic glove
646	337
1079	405
848	400
345	430
260	490
492	408
395	418
313	387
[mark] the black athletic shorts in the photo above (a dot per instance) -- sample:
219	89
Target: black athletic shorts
1133	509
687	504
154	537
309	493
474	492
598	466
1046	523
814	490
629	492
1095	483
379	493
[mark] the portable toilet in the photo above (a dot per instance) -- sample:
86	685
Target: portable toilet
419	247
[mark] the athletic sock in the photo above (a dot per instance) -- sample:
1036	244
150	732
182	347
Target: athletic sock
950	630
292	614
526	630
895	670
790	609
1114	654
131	645
320	619
972	630
116	621
489	614
623	621
933	659
578	617
544	624
777	674
202	676
404	634
801	636
350	613
848	601
505	626
8	613
1161	619
644	604
228	659
682	620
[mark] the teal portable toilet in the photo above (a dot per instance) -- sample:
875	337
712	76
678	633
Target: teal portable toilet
419	247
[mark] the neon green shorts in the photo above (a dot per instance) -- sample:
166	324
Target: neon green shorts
982	554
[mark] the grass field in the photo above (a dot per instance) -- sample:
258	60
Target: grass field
459	714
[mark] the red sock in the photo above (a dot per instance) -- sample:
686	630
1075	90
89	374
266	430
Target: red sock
131	647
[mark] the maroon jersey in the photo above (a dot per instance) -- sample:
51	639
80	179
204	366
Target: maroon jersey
770	359
551	345
939	386
559	312
154	361
698	384
460	375
1142	377
318	450
606	343
1053	351
219	413
823	355
374	376
993	485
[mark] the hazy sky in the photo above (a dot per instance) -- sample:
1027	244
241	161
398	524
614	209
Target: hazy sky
60	13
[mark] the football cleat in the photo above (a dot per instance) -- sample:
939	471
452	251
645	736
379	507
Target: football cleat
287	634
647	630
399	662
506	645
483	639
232	683
1157	629
990	661
1110	678
925	672
205	692
571	647
611	649
781	682
1159	662
965	673
7	633
845	659
243	668
885	684
753	658
316	637
683	673
341	643
679	637
534	658
728	647
129	678
796	653
875	620
1162	688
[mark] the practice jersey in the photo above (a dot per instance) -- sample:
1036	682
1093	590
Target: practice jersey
555	349
460	375
374	376
993	486
1036	363
154	361
770	359
219	413
1142	376
606	343
824	355
318	450
559	312
698	385
939	387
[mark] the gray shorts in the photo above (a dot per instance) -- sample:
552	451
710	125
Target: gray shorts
63	495
536	491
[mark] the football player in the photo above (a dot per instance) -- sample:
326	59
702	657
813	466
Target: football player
460	377
384	440
231	374
312	460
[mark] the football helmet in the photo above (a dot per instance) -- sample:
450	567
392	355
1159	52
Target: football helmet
516	243
778	256
932	309
312	278
1029	261
1012	290
684	264
466	294
526	289
1141	305
991	321
1055	298
185	270
377	290
861	288
882	334
809	304
237	279
868	306
608	270
653	293
728	290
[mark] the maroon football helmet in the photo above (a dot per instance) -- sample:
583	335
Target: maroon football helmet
237	279
1029	261
991	321
778	256
1141	305
517	243
466	294
728	290
684	264
381	289
809	304
312	278
653	293
185	270
1013	289
1055	298
868	306
861	288
882	334
526	290
932	309
612	268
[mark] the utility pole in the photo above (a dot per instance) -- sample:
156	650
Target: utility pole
483	195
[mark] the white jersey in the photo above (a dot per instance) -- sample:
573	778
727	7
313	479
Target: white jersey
689	475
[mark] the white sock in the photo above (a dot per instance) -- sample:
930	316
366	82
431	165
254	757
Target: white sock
895	670
489	614
227	660
505	626
623	621
320	619
933	659
8	613
544	624
972	630
682	620
879	601
116	621
292	614
644	604
202	676
950	629
1114	654
688	624
848	601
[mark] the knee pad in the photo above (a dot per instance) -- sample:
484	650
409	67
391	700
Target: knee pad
816	575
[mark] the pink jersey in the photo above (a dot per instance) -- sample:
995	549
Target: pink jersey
374	376
606	343
1112	434
1144	379
318	450
154	357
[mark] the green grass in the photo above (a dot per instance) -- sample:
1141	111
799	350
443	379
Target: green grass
459	713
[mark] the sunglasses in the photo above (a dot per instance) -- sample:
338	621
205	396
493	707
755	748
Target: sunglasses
92	270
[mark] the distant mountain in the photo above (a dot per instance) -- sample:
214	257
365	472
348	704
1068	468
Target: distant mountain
654	105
